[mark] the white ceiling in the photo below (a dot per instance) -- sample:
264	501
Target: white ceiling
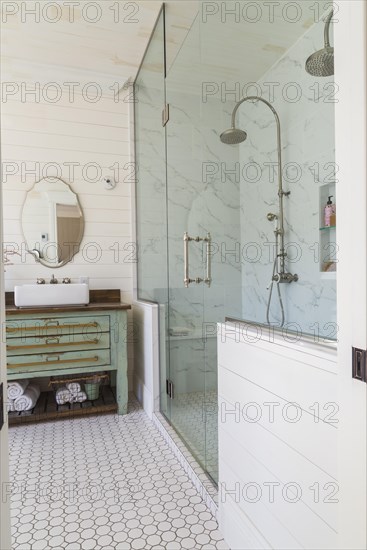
42	51
225	51
108	51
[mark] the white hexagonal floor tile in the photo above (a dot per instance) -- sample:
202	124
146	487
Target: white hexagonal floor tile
106	482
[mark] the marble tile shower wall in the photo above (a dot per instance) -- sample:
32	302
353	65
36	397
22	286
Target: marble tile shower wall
151	195
200	203
306	110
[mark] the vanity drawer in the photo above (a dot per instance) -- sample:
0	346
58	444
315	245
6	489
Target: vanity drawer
49	344
45	363
57	326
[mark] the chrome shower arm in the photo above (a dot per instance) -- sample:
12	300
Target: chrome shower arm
327	29
253	98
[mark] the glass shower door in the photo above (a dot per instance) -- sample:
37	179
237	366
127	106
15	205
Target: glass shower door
205	210
150	156
186	258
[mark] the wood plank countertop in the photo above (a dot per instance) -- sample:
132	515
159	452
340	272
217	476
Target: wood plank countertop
100	300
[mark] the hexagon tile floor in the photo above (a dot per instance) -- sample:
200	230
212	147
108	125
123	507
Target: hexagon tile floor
103	482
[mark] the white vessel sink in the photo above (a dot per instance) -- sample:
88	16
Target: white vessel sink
51	295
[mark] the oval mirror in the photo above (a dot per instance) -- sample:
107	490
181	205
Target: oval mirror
52	222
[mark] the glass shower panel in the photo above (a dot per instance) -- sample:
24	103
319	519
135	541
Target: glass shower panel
151	227
219	206
184	189
204	207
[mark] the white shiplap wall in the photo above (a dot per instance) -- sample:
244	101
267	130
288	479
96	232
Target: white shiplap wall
35	133
278	420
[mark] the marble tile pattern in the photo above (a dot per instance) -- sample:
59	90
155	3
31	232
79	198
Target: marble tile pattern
151	230
106	482
306	110
190	196
200	203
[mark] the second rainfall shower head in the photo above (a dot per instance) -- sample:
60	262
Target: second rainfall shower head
321	63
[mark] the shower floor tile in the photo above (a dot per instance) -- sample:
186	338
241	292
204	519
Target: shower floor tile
106	482
195	417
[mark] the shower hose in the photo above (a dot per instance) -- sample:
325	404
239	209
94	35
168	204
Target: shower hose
275	270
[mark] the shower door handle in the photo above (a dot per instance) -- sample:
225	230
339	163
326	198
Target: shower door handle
187	280
197	280
208	278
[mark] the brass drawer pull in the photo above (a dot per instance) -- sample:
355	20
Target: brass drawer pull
52	345
58	360
52	339
53	359
38	327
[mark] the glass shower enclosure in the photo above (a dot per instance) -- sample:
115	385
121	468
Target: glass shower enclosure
205	245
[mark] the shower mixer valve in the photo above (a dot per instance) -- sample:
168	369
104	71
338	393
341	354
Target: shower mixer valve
282	278
285	278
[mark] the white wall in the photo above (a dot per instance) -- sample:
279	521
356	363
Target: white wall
146	355
36	133
278	419
60	133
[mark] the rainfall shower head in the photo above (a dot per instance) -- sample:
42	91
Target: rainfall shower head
321	63
233	136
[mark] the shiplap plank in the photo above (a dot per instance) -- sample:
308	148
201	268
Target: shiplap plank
62	141
21	127
16	190
42	153
286	524
285	462
310	435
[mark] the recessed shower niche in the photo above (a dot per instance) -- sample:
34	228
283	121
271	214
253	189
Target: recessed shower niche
328	249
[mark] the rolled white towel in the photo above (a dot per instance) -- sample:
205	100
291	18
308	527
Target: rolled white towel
17	388
63	396
73	387
79	397
28	400
10	405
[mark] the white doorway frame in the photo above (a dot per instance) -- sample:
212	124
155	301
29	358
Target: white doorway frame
351	150
5	539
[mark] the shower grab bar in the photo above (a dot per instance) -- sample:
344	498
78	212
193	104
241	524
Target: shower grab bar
208	279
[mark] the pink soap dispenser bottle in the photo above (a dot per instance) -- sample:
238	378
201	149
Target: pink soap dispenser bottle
328	211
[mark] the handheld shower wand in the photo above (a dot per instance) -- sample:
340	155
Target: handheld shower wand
275	276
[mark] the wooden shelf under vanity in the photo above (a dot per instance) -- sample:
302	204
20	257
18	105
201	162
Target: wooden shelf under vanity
47	409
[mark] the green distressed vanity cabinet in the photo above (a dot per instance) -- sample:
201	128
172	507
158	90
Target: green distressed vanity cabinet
80	340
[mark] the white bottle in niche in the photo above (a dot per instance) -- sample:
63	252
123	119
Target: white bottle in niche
328	211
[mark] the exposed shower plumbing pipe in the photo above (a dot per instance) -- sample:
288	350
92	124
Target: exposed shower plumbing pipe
280	274
235	135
